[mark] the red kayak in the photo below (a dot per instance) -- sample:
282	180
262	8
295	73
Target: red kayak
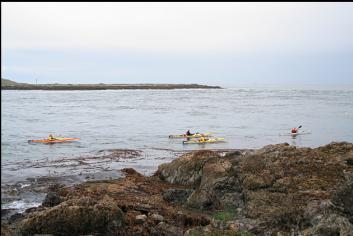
56	140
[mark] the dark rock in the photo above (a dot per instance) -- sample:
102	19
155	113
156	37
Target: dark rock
31	209
6	213
273	184
74	217
153	231
332	225
176	195
187	169
187	219
51	199
15	217
143	208
317	207
131	171
234	199
233	153
169	230
253	182
55	187
215	182
343	199
137	230
349	161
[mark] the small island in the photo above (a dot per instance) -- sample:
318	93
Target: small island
11	85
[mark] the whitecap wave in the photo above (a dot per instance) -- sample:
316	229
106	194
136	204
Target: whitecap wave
20	205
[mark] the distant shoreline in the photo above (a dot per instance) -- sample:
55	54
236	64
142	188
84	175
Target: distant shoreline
104	86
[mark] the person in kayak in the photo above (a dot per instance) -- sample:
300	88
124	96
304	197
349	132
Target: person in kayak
188	133
51	137
295	130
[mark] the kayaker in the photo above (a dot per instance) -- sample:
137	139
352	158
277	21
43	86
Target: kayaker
188	133
51	137
295	130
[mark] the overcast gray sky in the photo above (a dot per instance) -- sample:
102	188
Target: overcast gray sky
209	43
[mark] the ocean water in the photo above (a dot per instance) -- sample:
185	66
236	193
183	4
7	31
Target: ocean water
130	128
142	120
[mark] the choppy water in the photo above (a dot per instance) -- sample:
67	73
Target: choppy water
143	119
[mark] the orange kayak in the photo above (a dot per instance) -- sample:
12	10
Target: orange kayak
57	140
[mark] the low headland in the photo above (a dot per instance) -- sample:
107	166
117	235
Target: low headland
11	85
276	190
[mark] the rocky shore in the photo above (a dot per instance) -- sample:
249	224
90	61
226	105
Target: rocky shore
276	190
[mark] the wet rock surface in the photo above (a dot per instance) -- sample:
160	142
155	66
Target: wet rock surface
52	199
76	216
177	195
282	187
276	190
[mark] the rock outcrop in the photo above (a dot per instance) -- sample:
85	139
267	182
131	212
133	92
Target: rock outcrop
276	190
77	216
282	187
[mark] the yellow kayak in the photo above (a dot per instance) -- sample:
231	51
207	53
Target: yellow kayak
197	135
56	140
197	141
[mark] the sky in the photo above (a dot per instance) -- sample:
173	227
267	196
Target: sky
227	44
